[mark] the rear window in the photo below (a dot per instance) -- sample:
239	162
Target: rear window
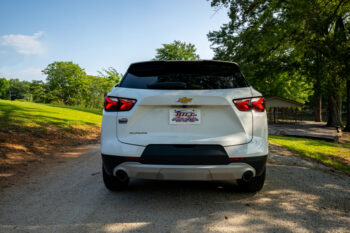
192	76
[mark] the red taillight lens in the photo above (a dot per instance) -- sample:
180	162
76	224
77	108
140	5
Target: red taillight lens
111	104
258	104
126	104
255	103
242	104
116	104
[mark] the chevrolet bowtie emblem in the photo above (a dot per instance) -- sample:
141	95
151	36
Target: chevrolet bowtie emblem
184	100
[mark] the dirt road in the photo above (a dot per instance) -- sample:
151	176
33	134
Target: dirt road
68	196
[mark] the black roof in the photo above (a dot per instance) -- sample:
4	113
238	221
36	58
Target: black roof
200	66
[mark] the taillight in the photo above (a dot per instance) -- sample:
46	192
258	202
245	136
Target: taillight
242	104
116	104
258	104
111	104
255	103
126	104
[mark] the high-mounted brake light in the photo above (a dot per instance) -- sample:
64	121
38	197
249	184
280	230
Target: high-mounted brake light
255	103
116	104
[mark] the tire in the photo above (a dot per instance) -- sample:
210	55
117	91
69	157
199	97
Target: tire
112	183
254	185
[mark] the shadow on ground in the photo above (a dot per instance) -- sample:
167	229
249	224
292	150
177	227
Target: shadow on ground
294	199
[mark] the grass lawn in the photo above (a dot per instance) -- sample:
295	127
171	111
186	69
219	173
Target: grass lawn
331	154
21	115
31	133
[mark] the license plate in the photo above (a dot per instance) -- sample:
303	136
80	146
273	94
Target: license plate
184	116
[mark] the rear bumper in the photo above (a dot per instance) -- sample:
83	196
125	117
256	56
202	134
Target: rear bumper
230	171
184	172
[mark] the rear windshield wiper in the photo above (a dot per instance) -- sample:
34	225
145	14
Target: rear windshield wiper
167	85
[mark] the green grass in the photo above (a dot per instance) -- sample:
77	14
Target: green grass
328	153
17	115
90	110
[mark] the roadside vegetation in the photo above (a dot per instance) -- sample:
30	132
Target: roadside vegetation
19	115
66	84
330	154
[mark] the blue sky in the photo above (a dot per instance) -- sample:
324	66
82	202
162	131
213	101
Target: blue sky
98	34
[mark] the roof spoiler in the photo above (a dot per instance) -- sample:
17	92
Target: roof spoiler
198	67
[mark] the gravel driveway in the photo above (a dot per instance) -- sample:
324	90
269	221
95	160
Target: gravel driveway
67	195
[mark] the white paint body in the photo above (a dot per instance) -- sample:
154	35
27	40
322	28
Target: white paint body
242	134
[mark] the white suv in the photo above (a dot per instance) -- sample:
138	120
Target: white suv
184	120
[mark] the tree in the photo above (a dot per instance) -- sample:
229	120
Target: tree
39	90
112	74
96	88
4	88
14	89
177	51
18	89
65	82
301	38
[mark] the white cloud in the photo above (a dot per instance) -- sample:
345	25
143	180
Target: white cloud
24	44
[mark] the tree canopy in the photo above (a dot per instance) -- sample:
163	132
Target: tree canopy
295	46
65	82
111	74
177	51
4	88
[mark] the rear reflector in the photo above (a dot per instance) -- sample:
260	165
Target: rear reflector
255	103
237	159
116	104
132	158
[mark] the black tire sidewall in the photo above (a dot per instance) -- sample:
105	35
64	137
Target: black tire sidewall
112	183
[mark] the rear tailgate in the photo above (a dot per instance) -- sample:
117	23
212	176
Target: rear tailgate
149	122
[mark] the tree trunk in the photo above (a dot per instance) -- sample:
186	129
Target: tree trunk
329	111
347	128
318	106
318	95
334	110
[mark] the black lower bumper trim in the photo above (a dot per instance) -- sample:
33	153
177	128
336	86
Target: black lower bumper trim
185	155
